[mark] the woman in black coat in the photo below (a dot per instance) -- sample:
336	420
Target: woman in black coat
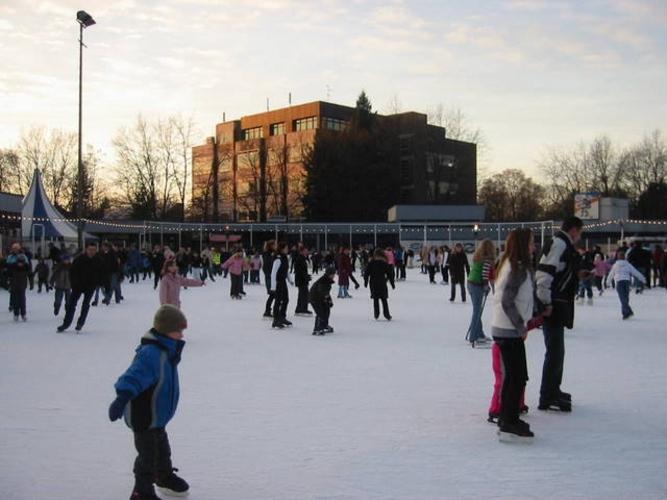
458	270
377	273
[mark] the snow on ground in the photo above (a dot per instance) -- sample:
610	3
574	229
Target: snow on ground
376	411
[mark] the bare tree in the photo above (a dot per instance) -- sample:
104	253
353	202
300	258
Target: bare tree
9	164
144	169
645	164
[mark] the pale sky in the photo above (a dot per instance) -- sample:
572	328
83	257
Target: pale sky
529	73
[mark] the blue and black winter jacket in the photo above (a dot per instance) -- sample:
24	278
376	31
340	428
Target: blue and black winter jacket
152	382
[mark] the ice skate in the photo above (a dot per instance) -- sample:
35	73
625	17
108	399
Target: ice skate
171	484
516	432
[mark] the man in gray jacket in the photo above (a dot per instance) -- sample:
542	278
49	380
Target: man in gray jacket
557	280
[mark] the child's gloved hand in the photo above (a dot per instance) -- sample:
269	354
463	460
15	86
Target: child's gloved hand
117	407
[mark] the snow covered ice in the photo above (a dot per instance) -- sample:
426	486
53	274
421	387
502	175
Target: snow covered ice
378	410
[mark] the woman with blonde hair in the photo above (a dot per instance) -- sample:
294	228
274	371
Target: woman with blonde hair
479	280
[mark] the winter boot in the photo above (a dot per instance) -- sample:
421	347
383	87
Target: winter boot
171	484
493	417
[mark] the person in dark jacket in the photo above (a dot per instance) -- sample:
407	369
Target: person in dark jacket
18	266
377	273
42	271
268	256
639	257
320	298
459	268
556	286
85	276
111	269
279	279
61	282
157	261
301	280
147	396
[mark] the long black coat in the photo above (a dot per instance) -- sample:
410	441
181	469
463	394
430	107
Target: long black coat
301	276
458	266
377	273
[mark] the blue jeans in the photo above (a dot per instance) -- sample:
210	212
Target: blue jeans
114	289
552	370
623	290
476	330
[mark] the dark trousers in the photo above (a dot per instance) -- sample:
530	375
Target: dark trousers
302	299
623	290
281	301
156	279
70	307
254	276
460	282
513	353
431	274
400	266
271	297
236	285
153	458
42	283
445	273
60	294
322	312
353	280
17	301
552	370
376	308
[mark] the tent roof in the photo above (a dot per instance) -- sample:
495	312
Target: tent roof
41	217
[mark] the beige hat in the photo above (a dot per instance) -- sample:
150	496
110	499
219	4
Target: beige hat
169	319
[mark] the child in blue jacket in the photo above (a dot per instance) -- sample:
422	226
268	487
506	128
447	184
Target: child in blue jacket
147	396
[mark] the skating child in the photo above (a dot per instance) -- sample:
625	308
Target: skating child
60	280
255	267
42	272
602	267
586	278
377	273
18	266
320	298
171	283
621	273
479	285
147	396
236	265
513	308
344	272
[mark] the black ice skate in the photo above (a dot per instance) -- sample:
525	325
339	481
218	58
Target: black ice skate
171	484
277	324
286	322
144	496
556	405
493	418
515	432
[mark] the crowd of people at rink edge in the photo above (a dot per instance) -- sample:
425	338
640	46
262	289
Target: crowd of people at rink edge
530	290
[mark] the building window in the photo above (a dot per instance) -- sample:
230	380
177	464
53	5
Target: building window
405	143
334	123
305	123
252	133
277	128
406	172
443	187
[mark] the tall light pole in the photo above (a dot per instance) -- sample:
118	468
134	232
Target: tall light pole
85	20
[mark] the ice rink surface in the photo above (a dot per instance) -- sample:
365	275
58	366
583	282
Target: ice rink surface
377	410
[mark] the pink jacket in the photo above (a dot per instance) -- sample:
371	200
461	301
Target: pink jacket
602	268
256	263
236	265
390	257
170	288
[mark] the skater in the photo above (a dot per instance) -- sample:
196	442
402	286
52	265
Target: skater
157	259
602	268
85	276
301	280
513	309
62	283
111	274
556	278
400	263
657	259
18	267
622	272
42	271
377	273
344	272
147	396
268	257
433	263
458	270
235	265
171	283
279	278
320	299
479	285
444	264
586	283
255	268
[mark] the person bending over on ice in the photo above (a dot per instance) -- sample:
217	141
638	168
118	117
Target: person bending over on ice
320	298
171	283
377	273
622	272
147	396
